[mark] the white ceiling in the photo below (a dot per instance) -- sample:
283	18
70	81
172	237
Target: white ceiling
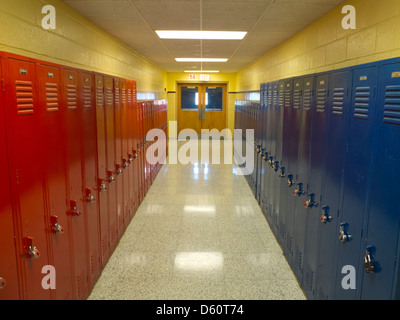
268	23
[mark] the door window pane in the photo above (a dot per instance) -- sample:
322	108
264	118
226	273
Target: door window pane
189	98
214	98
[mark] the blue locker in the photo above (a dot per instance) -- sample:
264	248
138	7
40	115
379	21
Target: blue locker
303	175
284	154
261	141
289	172
329	198
300	191
275	155
380	249
347	229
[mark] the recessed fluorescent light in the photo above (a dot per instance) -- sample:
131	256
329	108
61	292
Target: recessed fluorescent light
202	71
200	60
201	35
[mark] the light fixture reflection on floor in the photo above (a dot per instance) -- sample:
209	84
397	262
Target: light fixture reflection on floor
199	261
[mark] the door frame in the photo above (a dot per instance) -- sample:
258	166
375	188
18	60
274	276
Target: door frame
201	84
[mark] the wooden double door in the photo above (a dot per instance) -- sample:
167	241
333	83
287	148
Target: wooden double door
202	107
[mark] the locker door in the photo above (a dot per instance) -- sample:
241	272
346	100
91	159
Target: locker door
9	283
260	144
111	161
132	153
90	175
119	170
319	123
262	152
49	82
102	184
330	195
289	169
141	150
267	151
382	238
75	194
22	114
126	155
312	224
349	216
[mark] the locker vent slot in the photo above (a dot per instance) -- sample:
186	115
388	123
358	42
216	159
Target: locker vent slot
288	98
307	99
362	99
123	92
99	97
297	99
299	259
94	262
289	244
275	99
51	97
392	105
24	92
87	97
129	91
117	99
281	98
321	100
82	285
270	94
338	101
109	97
71	97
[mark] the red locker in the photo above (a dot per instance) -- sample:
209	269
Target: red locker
90	175
129	136
9	284
141	152
49	82
125	100
111	161
119	176
102	184
75	193
26	154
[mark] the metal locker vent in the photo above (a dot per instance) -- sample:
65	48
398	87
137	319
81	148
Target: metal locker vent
87	97
24	91
307	99
117	96
362	99
392	105
99	97
321	100
71	97
51	97
288	98
123	91
297	99
109	96
338	101
281	98
275	98
309	277
129	95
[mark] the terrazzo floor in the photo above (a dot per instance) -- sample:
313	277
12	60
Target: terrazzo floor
199	234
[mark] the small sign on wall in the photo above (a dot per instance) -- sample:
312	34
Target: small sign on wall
204	77
192	77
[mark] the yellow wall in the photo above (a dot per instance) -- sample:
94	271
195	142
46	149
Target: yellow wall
172	86
75	42
325	45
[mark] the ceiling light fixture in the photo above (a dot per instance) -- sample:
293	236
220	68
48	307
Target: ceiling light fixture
201	35
202	71
201	60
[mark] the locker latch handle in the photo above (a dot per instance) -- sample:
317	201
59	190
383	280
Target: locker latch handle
3	283
275	166
299	190
56	228
125	163
325	215
271	161
290	180
369	265
261	152
30	251
135	154
102	185
130	158
118	169
344	236
283	172
310	203
110	177
73	211
89	196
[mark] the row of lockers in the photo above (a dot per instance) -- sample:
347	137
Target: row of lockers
327	156
74	171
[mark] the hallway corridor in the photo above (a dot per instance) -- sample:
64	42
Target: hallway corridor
198	235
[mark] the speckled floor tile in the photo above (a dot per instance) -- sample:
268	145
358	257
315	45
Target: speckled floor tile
199	234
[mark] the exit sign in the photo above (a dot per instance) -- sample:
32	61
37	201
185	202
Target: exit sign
204	77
